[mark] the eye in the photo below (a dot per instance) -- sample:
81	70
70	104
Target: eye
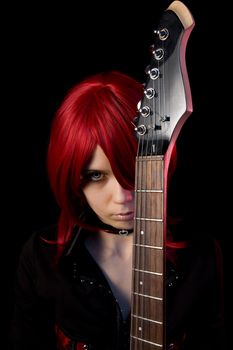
96	175
93	175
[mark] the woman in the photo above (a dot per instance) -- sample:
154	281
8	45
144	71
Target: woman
73	282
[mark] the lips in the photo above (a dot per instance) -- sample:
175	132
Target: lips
124	216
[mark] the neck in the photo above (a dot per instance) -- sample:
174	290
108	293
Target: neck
110	244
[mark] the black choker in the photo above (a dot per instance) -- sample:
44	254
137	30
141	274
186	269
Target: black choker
121	232
116	231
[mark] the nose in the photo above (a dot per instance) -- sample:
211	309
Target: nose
120	194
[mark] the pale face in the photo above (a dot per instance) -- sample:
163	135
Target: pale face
113	204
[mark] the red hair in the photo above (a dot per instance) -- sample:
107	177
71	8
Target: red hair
98	111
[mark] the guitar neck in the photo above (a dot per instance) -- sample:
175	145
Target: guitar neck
148	284
164	108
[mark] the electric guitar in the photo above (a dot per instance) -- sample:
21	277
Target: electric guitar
165	107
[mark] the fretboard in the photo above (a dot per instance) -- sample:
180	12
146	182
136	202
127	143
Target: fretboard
148	284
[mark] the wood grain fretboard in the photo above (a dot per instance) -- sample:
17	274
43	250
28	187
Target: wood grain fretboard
148	291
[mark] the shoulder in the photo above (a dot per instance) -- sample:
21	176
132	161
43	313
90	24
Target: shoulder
39	246
204	256
43	237
205	245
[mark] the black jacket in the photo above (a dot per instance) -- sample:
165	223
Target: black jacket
68	304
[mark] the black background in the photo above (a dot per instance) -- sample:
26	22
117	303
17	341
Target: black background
48	48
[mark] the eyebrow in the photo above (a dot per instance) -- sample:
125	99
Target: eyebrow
91	169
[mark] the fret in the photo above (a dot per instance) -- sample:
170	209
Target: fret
148	296
148	246
149	191
147	319
137	343
144	271
149	219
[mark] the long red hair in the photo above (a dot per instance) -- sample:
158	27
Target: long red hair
98	111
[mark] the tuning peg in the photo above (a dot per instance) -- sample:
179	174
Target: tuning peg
150	93
162	33
154	73
145	111
158	54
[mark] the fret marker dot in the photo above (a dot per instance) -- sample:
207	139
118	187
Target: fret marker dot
139	328
141	283
142	232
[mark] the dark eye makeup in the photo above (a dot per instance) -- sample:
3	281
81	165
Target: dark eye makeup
92	175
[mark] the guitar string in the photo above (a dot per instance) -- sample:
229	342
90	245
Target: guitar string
143	235
166	113
152	209
155	231
135	311
140	236
157	109
138	201
162	207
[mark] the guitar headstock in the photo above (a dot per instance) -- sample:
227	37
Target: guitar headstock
167	100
